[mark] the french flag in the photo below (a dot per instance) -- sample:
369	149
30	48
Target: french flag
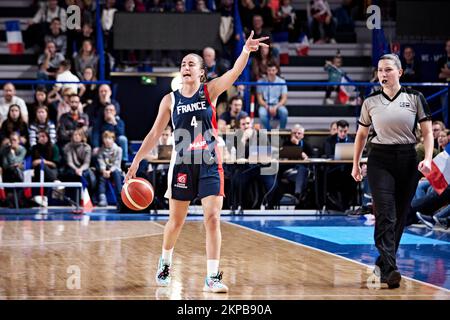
14	37
439	176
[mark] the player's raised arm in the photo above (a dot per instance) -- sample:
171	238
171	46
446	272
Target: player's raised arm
222	83
152	137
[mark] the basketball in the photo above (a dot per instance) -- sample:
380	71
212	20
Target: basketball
137	194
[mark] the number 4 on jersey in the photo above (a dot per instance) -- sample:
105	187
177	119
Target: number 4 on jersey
194	122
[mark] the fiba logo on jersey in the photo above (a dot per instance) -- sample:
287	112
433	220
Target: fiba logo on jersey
181	180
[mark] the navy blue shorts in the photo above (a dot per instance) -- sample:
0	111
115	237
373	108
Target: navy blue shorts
189	181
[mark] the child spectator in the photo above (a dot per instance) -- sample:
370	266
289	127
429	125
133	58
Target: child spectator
13	155
110	122
286	16
109	160
335	74
42	123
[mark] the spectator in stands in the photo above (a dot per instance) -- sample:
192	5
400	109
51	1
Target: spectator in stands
247	10
57	36
134	6
321	21
13	154
40	99
437	126
244	174
9	98
86	57
77	155
444	76
87	33
285	17
48	12
158	6
42	123
107	21
341	136
333	128
429	203
65	75
300	175
166	139
179	7
345	16
411	66
266	13
258	27
62	103
260	61
110	122
443	140
215	68
15	123
335	74
47	153
70	121
341	187
109	160
200	6
440	218
230	118
90	93
39	24
49	62
103	99
272	99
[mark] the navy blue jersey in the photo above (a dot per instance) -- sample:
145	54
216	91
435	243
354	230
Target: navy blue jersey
194	123
195	168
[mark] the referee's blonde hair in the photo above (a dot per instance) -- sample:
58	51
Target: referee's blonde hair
393	57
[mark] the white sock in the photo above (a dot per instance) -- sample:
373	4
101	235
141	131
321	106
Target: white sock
167	255
212	267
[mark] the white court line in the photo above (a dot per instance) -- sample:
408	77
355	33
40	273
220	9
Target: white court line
87	240
335	255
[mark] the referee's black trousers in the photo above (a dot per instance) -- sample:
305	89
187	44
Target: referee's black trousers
393	176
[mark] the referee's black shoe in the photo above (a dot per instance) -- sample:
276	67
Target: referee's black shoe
392	279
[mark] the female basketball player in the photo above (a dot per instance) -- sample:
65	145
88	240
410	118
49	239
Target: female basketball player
195	168
392	165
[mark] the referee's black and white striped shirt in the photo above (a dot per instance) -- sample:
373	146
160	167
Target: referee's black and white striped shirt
394	120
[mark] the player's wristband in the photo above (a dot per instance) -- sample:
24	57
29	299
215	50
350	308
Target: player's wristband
245	50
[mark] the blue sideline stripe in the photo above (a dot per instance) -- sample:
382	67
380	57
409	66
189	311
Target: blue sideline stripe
356	235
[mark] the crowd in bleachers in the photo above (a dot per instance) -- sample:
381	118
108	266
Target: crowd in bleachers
64	138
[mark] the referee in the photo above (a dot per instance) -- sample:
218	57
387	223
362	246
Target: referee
392	164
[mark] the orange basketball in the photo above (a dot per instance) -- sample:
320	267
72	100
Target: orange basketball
137	194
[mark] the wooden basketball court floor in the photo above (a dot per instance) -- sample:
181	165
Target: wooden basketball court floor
62	256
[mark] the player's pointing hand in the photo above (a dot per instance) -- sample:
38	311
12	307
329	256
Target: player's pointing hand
254	44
